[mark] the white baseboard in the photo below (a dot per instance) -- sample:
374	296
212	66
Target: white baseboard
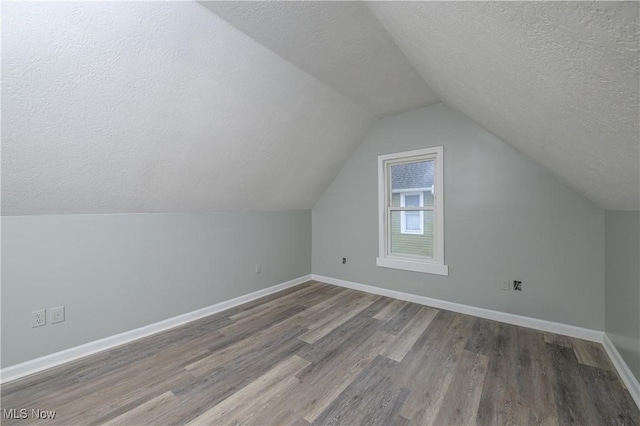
538	324
48	361
621	366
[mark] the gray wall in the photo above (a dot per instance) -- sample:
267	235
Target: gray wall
118	272
505	218
622	290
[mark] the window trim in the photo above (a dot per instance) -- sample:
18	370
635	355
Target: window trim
384	259
403	214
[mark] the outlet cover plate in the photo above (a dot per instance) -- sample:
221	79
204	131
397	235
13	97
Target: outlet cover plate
38	318
57	314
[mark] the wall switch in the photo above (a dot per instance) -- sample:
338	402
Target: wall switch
258	268
505	286
57	314
38	318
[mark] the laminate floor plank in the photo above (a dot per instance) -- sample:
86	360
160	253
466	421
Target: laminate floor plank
321	354
498	402
124	356
152	411
253	324
574	406
400	320
270	297
347	336
391	310
294	298
431	367
345	314
230	409
251	348
130	405
320	385
535	378
557	339
208	390
483	336
335	307
612	407
371	399
408	336
592	354
460	403
326	292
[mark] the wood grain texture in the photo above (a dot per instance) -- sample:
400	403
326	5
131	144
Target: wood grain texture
460	403
320	354
152	411
390	311
253	396
592	354
408	336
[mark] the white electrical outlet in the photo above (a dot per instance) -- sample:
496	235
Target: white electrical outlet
258	268
38	318
57	314
506	285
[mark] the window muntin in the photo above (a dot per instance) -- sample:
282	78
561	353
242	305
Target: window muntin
412	222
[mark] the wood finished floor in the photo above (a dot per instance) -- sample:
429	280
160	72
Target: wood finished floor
320	354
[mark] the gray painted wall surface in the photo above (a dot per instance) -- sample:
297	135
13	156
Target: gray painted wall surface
622	290
115	273
505	218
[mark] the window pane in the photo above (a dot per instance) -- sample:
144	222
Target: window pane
395	200
412	178
412	244
412	201
412	221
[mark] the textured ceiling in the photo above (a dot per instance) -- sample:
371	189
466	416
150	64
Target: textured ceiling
340	43
166	107
557	80
160	107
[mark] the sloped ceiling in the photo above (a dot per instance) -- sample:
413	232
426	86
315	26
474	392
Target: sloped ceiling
160	107
340	43
167	107
557	80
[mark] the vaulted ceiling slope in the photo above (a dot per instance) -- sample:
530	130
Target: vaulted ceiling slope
557	80
160	107
341	43
187	107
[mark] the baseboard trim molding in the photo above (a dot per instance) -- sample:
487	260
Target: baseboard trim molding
36	365
535	323
623	369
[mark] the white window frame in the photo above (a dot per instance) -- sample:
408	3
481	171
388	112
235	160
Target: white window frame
403	215
385	259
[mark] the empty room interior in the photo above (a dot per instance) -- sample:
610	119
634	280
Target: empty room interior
320	213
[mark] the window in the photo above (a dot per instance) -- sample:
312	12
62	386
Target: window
411	222
411	201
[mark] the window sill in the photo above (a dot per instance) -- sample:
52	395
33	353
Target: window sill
407	265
